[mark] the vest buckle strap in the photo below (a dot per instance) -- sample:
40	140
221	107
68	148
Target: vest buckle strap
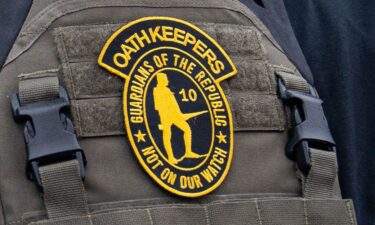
309	125
49	134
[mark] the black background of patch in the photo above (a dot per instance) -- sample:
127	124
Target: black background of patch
141	145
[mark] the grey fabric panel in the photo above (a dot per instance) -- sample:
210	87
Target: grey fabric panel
237	212
178	216
128	217
88	80
233	213
63	191
256	112
85	42
246	38
84	220
252	76
37	25
104	116
38	87
321	212
282	212
98	117
79	46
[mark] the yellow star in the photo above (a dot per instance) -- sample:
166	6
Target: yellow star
222	138
140	136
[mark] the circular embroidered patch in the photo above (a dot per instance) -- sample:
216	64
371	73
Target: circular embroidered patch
177	117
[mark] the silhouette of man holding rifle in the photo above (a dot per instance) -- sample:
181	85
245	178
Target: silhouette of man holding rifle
170	114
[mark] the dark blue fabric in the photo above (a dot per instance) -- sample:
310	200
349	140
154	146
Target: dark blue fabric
275	17
338	39
12	15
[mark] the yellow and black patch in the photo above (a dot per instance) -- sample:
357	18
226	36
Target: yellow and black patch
177	117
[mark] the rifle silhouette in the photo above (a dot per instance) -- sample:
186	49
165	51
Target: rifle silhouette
187	116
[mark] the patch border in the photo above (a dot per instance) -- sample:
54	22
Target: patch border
125	76
217	81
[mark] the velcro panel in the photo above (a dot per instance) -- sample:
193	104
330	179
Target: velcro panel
239	41
97	117
251	93
253	76
87	80
258	111
237	212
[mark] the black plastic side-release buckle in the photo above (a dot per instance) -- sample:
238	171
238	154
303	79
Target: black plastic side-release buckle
309	126
49	134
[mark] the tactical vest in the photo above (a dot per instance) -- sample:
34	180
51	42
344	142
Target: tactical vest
274	164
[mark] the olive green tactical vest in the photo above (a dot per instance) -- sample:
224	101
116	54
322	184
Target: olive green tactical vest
61	90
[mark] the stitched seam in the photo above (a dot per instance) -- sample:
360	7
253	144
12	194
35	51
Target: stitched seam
150	216
258	212
79	115
90	219
276	108
245	196
14	222
78	112
70	79
65	62
54	70
93	59
270	75
45	11
350	212
207	215
73	6
305	212
306	184
331	187
121	22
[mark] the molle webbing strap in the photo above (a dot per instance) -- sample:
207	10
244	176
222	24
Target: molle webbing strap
39	87
319	183
294	82
64	194
321	178
63	189
235	212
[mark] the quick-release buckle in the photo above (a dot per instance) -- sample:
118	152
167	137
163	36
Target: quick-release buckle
49	134
309	126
